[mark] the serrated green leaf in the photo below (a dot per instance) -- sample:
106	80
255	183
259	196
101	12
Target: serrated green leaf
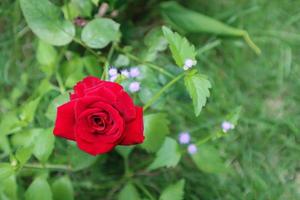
198	88
62	189
39	189
167	156
174	191
45	20
52	107
207	159
180	48
23	154
155	129
129	192
44	145
98	33
46	53
6	170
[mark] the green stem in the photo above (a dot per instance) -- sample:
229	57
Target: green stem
78	41
144	189
107	62
204	140
208	47
151	65
127	169
47	166
60	83
251	44
162	90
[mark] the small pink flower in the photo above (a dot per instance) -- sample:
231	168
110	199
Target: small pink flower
192	149
184	138
134	86
134	72
226	126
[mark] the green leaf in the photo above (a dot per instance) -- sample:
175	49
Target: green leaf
76	8
98	33
39	189
25	137
167	156
174	191
155	42
9	123
44	144
29	109
9	187
6	170
195	22
129	192
155	129
44	87
46	54
72	70
121	61
198	88
91	64
52	108
96	2
124	151
180	48
23	154
62	189
45	20
79	159
208	159
4	144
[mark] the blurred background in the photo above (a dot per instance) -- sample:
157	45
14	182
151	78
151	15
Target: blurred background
262	152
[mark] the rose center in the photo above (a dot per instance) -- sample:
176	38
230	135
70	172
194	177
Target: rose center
99	121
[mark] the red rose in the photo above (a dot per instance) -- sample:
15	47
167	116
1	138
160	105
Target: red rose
99	116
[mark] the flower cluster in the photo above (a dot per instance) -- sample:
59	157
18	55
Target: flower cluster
185	138
189	63
133	72
227	126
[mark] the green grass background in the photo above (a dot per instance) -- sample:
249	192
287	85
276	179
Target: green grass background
264	150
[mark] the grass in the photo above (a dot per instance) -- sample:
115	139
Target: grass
264	149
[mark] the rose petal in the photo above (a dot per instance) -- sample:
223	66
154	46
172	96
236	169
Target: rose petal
94	148
82	86
65	121
86	133
87	102
104	93
133	133
126	106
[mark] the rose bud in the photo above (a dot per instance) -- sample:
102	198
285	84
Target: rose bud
99	116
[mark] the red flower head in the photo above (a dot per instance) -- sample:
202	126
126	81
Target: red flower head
99	116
